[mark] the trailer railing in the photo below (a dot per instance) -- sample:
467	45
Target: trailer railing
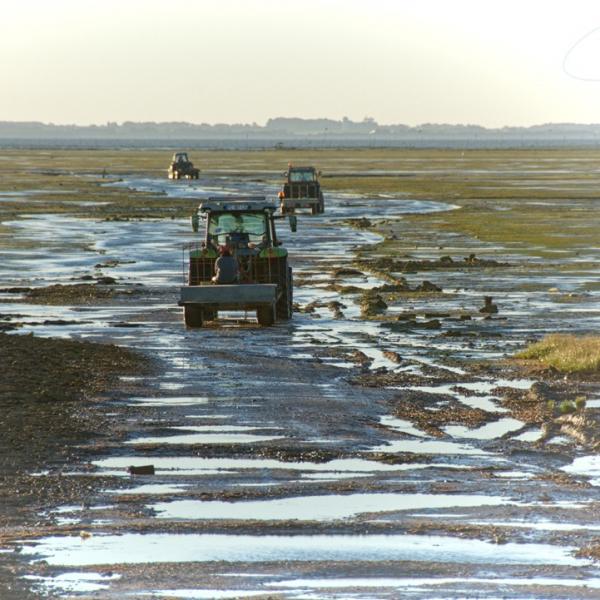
199	269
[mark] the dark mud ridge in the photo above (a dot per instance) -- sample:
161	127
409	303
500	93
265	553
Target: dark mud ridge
77	293
44	386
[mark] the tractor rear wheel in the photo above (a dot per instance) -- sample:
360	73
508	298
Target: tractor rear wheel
192	315
265	316
284	308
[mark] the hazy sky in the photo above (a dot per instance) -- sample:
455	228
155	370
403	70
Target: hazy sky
491	62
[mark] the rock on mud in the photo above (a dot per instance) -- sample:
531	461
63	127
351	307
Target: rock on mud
393	356
372	304
427	286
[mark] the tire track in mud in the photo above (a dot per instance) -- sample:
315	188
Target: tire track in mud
273	473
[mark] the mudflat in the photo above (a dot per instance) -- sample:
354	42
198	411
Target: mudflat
392	438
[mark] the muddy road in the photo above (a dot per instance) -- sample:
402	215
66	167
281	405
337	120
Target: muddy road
358	451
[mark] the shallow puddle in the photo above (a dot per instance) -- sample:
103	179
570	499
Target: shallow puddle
588	466
319	508
206	594
402	426
170	401
513	474
486	403
152	489
221	428
330	476
530	436
206	438
489	431
430	447
74	582
193	464
157	548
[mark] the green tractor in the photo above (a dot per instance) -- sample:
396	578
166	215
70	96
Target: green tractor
302	190
181	167
245	226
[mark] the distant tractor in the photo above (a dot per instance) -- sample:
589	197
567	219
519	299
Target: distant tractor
182	168
302	190
245	228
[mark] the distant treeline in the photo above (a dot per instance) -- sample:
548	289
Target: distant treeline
285	129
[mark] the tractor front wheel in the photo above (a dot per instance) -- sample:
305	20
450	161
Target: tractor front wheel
192	315
321	204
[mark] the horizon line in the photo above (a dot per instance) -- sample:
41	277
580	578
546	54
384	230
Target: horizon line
365	121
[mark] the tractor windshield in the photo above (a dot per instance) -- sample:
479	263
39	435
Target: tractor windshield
253	226
302	176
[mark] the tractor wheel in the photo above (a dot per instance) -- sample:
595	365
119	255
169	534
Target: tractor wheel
192	315
284	308
265	316
210	315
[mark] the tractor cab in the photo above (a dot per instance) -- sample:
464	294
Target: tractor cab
302	175
243	232
245	225
180	157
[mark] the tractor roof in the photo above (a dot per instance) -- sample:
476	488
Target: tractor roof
237	204
301	168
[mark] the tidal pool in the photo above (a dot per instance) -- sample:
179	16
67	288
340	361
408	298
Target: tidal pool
134	548
319	508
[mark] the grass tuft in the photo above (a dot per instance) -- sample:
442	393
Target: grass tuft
567	353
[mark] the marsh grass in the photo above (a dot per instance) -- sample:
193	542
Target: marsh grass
565	352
